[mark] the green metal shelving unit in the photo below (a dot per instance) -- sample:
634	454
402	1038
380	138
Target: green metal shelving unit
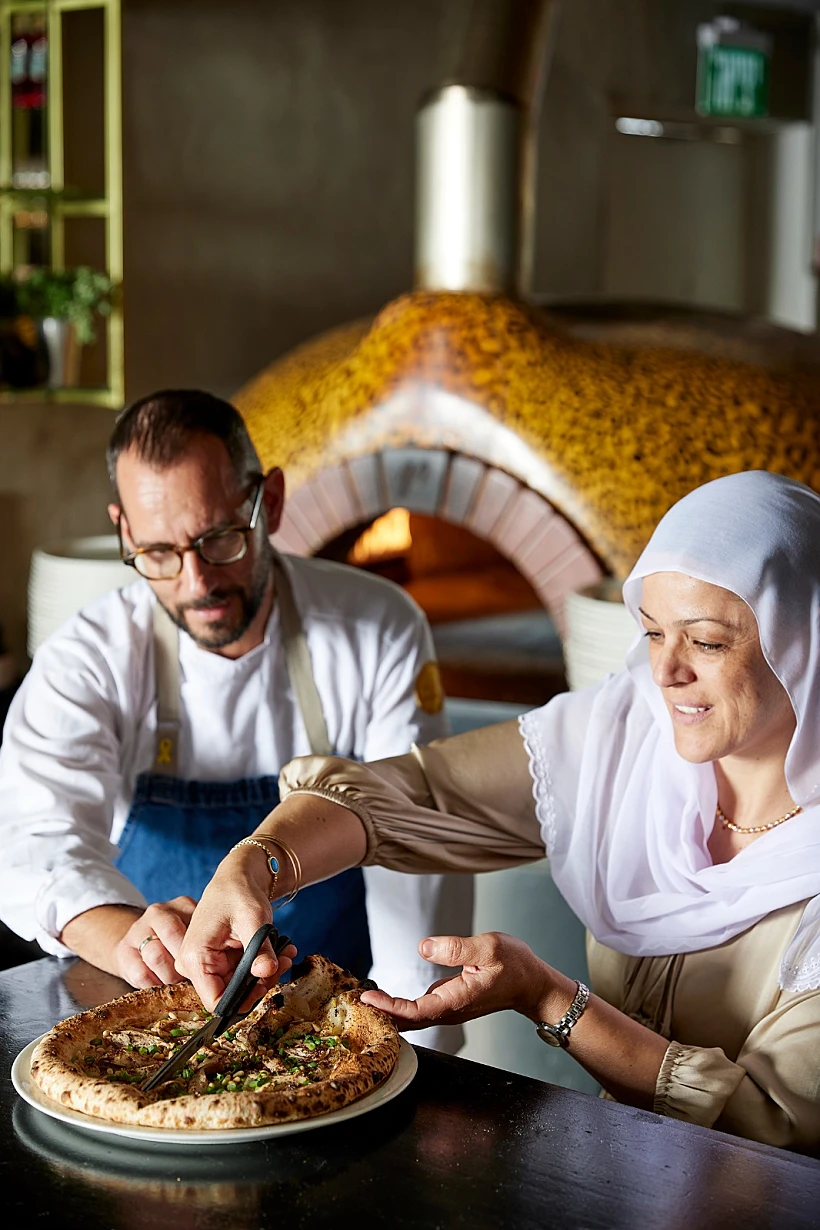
62	204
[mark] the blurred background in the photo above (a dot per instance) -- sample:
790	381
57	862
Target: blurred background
268	162
245	177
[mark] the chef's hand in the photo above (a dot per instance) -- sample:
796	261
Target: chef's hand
231	910
497	971
136	944
147	951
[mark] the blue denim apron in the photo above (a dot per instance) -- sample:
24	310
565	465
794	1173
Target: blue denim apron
178	831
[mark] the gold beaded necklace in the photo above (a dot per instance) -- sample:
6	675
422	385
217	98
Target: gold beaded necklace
756	828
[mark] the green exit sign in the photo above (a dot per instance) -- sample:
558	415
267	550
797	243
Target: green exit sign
733	70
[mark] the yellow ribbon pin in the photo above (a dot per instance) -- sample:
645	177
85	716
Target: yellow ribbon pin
165	751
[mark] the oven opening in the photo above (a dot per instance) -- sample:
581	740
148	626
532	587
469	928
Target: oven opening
494	640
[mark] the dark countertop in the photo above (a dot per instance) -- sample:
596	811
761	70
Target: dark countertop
465	1145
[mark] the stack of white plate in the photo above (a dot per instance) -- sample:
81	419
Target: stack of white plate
66	576
599	631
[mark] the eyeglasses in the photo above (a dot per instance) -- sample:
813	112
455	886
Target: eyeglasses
164	562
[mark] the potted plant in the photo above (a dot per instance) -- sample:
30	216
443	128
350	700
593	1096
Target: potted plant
53	313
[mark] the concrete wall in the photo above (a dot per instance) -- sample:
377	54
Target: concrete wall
268	195
52	485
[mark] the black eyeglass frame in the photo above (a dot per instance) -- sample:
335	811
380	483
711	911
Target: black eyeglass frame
130	558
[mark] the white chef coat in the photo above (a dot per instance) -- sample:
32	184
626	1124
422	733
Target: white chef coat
81	729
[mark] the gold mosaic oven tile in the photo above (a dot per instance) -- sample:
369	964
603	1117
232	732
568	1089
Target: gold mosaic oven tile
619	432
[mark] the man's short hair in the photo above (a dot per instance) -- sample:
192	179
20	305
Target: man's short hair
160	428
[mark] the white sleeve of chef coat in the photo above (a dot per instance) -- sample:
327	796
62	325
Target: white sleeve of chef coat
59	773
403	909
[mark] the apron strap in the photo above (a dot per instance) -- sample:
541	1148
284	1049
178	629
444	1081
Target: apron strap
299	666
166	675
297	658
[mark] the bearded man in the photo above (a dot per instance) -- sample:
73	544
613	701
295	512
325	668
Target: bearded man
148	736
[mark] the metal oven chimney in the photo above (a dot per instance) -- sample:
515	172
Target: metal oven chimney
476	152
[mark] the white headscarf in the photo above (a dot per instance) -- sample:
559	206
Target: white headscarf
625	819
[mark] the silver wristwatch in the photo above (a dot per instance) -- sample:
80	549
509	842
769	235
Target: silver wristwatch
558	1034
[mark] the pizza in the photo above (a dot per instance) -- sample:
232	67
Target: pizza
307	1048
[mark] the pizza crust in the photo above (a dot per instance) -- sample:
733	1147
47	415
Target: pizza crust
323	995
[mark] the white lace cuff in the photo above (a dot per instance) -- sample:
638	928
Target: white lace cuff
540	773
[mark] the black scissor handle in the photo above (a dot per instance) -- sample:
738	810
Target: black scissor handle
243	979
281	943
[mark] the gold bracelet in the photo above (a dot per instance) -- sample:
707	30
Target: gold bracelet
274	870
293	859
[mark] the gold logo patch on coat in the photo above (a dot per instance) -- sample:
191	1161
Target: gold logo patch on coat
429	692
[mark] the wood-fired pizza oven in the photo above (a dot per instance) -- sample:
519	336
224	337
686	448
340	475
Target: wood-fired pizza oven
555	437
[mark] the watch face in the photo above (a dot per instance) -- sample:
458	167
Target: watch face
546	1034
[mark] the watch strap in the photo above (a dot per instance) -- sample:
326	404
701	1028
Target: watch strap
558	1034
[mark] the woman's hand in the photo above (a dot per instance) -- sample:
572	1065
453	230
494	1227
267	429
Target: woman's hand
232	909
497	971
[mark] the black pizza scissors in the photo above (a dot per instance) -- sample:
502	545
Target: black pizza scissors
226	1012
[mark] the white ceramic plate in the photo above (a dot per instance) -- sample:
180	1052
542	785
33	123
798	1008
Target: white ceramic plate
399	1079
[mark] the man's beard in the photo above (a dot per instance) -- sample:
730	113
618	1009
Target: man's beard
223	632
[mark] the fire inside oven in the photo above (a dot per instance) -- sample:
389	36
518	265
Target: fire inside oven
493	638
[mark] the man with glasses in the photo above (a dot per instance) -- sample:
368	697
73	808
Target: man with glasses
148	736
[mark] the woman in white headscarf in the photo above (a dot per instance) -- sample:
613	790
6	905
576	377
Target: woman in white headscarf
677	803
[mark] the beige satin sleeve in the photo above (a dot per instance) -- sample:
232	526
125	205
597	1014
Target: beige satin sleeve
771	1093
459	804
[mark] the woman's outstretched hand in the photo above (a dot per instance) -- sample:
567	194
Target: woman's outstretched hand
232	909
497	971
